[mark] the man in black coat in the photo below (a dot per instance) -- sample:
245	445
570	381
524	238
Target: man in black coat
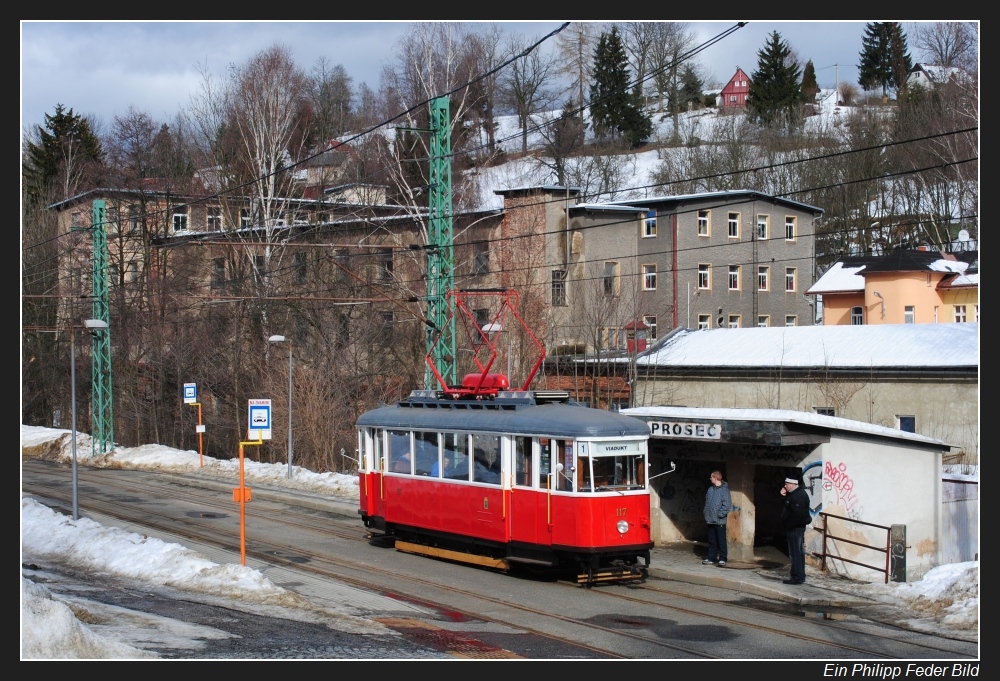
796	518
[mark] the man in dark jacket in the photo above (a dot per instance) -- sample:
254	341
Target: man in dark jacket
718	504
796	517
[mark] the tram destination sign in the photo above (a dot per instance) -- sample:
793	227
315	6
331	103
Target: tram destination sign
685	431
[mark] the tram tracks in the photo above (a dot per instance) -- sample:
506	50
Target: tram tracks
365	575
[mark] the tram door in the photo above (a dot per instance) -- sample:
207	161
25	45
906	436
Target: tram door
532	463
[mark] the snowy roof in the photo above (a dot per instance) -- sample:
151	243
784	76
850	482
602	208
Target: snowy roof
838	279
848	273
617	207
780	415
727	194
861	346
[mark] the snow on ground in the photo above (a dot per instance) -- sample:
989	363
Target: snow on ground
945	601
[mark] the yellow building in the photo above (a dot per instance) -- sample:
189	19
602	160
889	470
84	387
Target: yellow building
905	287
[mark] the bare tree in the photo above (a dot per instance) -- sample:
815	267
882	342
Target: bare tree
575	48
526	84
639	37
671	40
948	43
331	98
254	128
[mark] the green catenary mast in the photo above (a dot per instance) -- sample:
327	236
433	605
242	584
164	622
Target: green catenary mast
441	249
102	423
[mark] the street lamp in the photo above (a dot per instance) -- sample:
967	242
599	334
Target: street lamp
93	325
282	339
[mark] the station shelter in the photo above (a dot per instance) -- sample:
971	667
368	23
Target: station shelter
873	482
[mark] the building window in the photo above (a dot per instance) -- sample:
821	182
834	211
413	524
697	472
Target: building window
180	218
611	279
960	314
734	225
343	332
300	268
790	279
649	224
907	424
734	321
704	223
909	314
258	266
857	315
481	258
762	221
482	316
762	274
763	320
133	218
385	264
650	322
790	228
791	320
704	321
704	277
218	273
649	277
558	288
113	219
385	332
213	218
825	411
245	217
734	277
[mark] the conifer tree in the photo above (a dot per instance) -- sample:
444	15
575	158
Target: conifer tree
885	59
62	152
692	87
809	85
774	94
614	109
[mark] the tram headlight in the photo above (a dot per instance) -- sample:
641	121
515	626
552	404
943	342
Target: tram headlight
622	526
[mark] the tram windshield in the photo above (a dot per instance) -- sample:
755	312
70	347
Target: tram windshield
613	467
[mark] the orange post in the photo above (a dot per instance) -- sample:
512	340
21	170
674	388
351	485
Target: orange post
242	496
201	431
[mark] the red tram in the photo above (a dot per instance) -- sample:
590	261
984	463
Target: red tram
523	477
502	477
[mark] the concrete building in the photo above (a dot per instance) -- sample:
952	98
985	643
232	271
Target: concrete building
921	378
878	488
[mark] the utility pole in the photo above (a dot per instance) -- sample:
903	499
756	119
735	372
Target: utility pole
441	249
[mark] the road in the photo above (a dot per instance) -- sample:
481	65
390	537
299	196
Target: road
430	608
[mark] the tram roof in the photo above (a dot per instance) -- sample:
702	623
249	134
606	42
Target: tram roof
568	420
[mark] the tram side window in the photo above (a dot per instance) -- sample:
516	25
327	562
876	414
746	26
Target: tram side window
487	458
583	482
426	460
522	461
545	462
379	441
400	460
456	456
566	476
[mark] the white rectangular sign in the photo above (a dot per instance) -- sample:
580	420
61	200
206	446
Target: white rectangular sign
259	419
685	431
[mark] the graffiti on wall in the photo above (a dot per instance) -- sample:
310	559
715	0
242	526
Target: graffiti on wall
812	483
837	479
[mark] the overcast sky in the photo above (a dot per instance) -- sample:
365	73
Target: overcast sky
101	67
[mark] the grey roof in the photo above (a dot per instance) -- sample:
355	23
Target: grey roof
780	416
881	346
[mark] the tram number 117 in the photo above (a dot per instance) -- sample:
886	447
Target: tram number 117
621	512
